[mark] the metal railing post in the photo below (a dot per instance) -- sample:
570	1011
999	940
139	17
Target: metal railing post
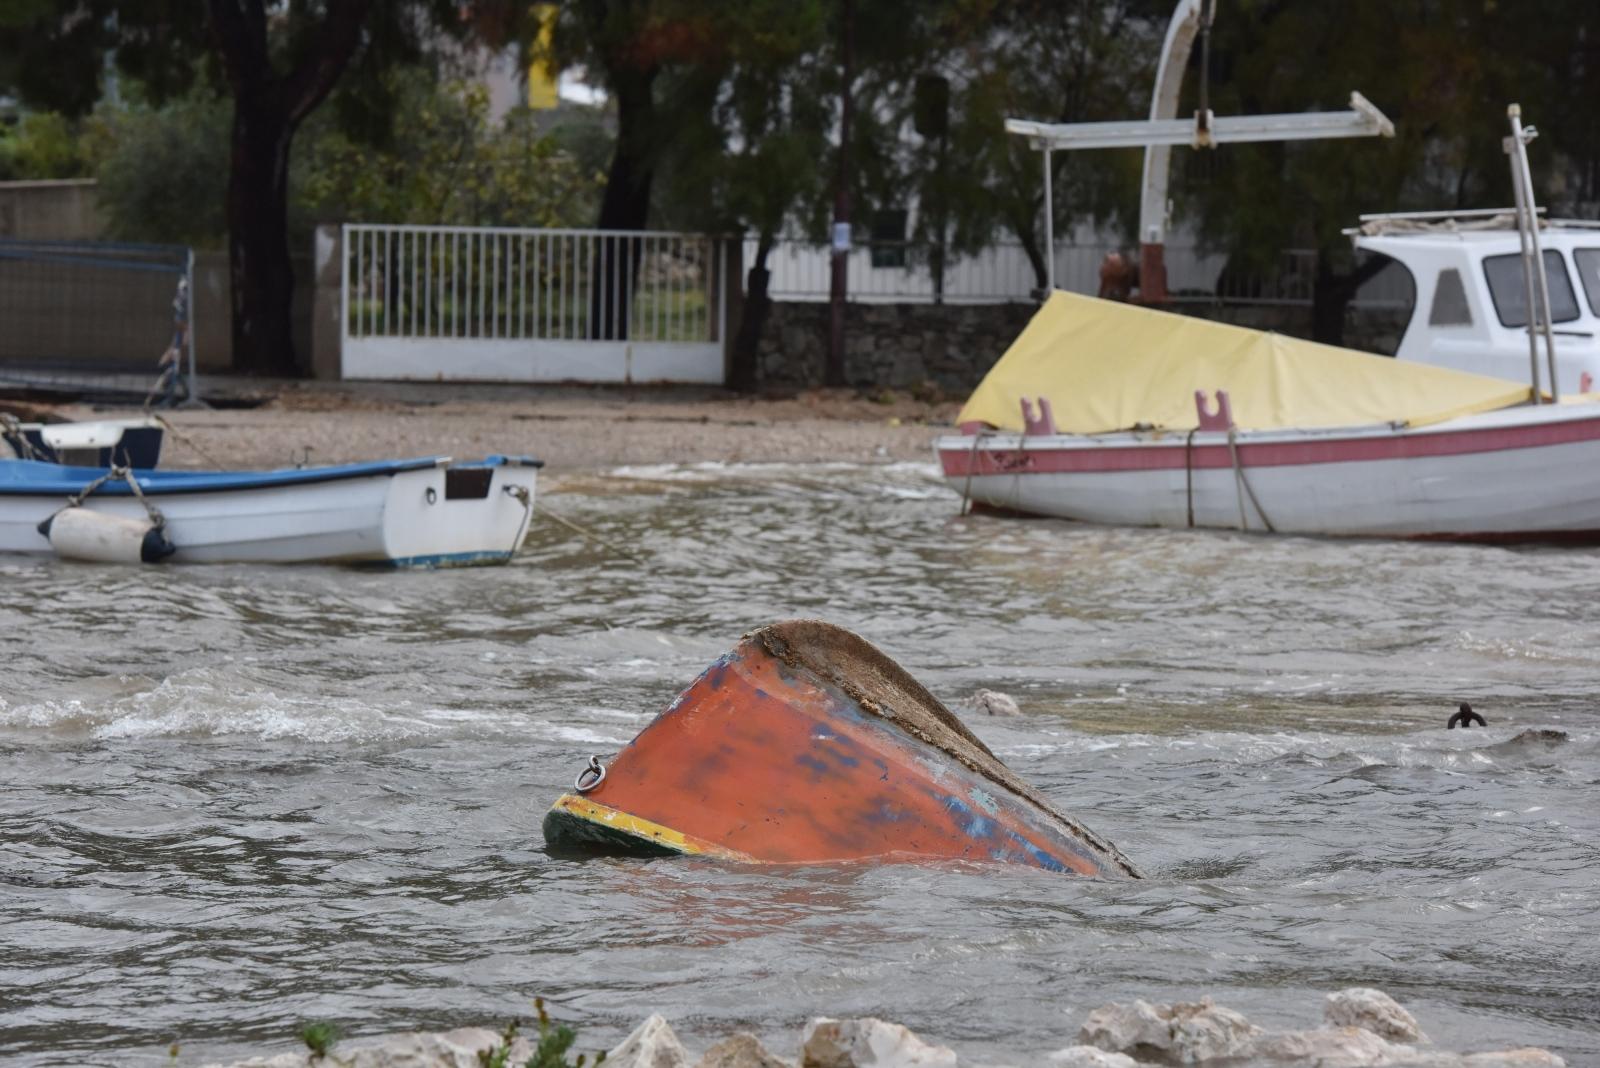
194	382
1522	181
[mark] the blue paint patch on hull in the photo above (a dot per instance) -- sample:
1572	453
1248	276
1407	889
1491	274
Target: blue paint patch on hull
435	560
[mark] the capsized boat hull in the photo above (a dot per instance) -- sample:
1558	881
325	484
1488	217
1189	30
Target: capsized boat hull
1518	474
406	513
807	745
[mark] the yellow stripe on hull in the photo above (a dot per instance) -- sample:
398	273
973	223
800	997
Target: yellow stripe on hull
615	819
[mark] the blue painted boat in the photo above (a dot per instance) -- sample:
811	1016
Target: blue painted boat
426	512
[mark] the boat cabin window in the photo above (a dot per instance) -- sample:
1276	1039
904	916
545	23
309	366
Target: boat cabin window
1587	260
1450	301
1504	274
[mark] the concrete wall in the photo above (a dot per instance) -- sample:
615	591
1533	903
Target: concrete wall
60	210
57	314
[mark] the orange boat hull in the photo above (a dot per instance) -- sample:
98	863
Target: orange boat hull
764	760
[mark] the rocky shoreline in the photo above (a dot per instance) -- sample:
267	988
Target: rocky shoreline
1361	1028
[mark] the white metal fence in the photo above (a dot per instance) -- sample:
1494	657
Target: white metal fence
1003	273
533	305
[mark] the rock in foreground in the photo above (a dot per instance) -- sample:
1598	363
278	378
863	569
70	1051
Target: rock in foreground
1367	1029
1364	1028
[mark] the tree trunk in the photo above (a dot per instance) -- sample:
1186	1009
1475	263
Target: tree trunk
1332	293
258	242
267	108
625	204
743	376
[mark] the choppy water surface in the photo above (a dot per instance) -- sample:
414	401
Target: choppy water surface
238	798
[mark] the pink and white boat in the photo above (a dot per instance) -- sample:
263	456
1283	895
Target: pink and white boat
1104	413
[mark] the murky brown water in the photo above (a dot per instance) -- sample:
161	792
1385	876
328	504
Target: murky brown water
237	798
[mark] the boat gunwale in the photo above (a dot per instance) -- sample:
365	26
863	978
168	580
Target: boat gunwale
164	483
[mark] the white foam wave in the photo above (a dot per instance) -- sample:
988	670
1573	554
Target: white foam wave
202	705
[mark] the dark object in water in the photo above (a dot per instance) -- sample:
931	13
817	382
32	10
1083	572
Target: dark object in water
1466	717
805	744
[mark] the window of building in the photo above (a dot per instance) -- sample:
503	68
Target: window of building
1450	306
889	238
1506	287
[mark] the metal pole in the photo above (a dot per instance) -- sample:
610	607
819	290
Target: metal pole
838	289
1049	229
1520	139
1527	272
188	274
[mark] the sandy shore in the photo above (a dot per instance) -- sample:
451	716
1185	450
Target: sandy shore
573	429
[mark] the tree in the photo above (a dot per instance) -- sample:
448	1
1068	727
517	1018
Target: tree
278	66
1443	70
629	44
1072	61
760	153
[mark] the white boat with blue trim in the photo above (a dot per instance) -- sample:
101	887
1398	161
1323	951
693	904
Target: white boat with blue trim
429	512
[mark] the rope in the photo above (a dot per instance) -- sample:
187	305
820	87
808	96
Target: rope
12	430
591	535
972	462
1242	486
126	475
521	494
186	440
1188	472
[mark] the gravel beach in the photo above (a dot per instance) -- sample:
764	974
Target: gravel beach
573	429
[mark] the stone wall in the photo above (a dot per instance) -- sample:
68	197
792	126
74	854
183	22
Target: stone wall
890	345
898	346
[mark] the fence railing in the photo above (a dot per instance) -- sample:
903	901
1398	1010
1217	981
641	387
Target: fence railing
899	273
500	282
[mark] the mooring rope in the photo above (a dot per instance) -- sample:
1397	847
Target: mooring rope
12	429
1188	472
544	510
1242	487
526	499
186	440
76	501
972	462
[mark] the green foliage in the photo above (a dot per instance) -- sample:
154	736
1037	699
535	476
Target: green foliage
1069	61
446	165
1443	70
43	144
500	1056
549	1052
163	171
554	1042
319	1037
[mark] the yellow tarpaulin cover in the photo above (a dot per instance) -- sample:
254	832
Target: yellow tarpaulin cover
1106	366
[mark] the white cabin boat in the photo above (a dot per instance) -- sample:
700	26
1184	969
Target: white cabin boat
1471	310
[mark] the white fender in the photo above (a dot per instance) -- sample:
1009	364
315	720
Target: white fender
81	534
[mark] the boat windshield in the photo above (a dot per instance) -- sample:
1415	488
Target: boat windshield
1587	260
1504	274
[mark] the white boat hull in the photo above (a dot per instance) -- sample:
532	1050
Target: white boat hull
1521	473
404	518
